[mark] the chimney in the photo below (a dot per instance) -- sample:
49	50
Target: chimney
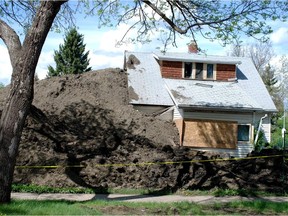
192	47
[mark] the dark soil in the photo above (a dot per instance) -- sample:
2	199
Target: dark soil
83	123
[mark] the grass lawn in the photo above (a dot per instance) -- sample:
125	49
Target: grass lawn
32	207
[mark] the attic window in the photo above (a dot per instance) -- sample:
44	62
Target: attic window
210	71
188	66
199	71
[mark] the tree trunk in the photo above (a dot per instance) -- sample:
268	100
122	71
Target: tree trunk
24	61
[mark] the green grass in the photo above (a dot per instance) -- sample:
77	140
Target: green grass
247	193
33	207
216	192
25	188
44	208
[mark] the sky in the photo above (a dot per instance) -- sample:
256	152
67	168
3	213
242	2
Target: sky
104	52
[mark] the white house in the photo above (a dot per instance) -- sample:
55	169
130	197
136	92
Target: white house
217	102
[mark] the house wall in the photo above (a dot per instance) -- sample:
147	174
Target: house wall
266	125
241	118
171	69
241	149
225	72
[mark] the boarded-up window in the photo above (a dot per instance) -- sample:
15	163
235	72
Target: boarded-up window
210	134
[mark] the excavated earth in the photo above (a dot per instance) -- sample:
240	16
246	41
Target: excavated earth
83	123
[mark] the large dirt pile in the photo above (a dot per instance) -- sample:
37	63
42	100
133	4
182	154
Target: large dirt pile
83	123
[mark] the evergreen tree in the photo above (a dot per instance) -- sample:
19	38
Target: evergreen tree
272	85
269	79
71	57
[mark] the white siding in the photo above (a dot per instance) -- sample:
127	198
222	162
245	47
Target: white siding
266	125
178	113
241	151
242	118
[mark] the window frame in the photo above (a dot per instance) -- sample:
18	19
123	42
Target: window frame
193	72
184	70
250	140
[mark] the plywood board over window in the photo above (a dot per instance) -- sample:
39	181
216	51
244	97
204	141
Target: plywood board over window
210	134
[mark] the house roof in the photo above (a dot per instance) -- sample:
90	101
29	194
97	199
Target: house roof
146	86
224	95
192	57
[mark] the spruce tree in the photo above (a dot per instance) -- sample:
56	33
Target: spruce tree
71	57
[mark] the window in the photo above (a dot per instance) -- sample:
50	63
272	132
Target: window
244	133
188	69
199	71
210	71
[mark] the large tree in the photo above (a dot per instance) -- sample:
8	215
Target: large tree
71	57
24	57
212	19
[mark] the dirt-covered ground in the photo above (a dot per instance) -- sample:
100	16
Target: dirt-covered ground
83	123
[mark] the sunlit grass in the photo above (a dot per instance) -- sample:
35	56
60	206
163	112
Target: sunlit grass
32	207
101	207
215	192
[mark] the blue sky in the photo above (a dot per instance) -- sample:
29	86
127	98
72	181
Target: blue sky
104	53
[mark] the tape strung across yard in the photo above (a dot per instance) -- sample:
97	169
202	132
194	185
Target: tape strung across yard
149	163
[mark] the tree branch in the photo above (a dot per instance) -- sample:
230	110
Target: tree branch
11	40
169	21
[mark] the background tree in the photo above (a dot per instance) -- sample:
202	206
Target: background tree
71	57
260	52
283	77
216	19
272	85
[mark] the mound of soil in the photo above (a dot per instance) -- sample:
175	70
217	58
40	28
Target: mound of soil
83	123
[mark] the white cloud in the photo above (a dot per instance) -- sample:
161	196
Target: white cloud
279	40
280	36
5	65
45	59
104	52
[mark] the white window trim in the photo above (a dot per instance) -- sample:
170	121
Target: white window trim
251	134
193	75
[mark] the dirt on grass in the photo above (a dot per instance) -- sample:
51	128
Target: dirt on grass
83	123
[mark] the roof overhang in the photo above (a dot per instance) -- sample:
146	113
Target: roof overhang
198	58
215	108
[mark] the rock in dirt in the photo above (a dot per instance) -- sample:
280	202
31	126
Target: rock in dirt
84	123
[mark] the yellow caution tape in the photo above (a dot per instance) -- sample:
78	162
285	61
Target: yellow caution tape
148	163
